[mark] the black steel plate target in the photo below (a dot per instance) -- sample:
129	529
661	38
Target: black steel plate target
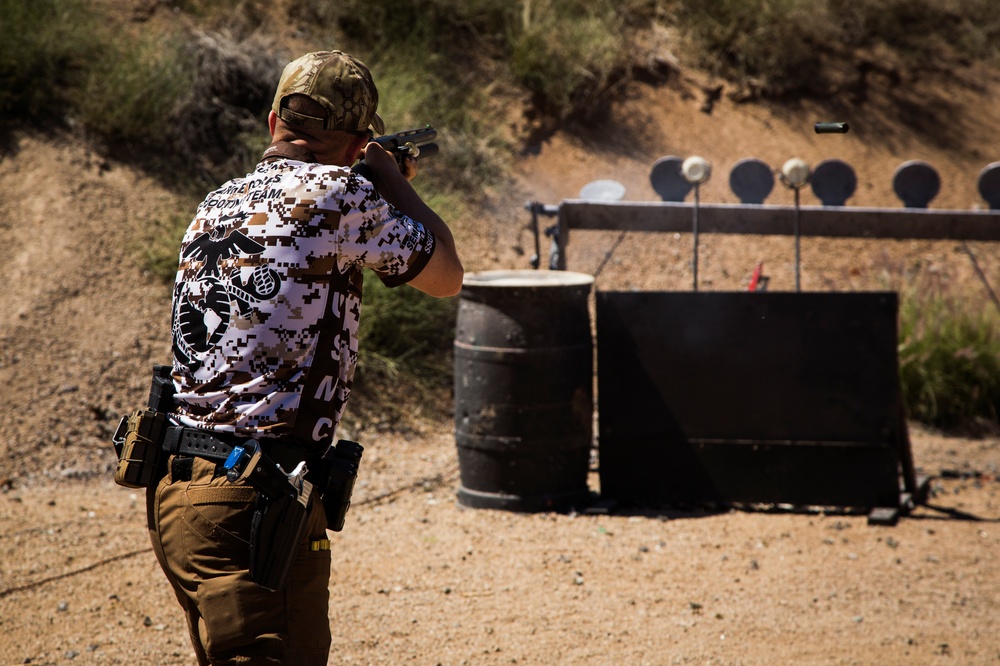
833	182
989	185
916	183
751	180
667	179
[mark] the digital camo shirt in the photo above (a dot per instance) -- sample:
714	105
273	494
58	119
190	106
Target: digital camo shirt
268	295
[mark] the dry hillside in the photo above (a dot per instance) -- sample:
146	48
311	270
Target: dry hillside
420	580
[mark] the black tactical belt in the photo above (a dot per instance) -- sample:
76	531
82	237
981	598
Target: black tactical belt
216	446
201	443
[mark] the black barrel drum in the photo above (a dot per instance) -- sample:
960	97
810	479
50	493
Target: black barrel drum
524	390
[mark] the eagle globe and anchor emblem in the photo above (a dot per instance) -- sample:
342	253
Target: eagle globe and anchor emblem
203	309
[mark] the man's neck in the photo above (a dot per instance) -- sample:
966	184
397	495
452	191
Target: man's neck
290	150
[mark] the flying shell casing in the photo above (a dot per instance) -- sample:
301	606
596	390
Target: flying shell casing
832	128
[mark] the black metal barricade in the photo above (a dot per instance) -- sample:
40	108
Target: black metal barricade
752	398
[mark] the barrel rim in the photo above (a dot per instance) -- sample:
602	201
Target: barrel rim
526	278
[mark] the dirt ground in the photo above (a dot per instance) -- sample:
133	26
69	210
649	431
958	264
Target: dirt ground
420	579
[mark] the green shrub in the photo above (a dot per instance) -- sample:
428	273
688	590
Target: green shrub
44	47
220	120
438	26
131	91
949	355
798	46
405	334
185	104
405	348
921	31
474	150
197	103
568	55
161	243
213	9
419	56
765	44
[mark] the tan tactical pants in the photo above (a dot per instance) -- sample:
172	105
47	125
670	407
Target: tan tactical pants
200	529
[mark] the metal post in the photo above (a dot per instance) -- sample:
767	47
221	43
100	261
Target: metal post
798	256
559	243
694	224
537	257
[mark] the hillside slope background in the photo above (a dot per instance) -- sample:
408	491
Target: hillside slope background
419	579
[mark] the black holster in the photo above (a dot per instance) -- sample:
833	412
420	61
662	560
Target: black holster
275	532
337	474
280	518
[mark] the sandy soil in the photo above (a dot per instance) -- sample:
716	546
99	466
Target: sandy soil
420	579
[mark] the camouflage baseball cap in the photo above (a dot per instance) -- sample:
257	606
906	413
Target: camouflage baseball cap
340	83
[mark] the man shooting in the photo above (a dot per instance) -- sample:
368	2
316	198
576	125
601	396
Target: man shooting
266	307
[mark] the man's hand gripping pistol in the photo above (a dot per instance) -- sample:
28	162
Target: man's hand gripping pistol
418	142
